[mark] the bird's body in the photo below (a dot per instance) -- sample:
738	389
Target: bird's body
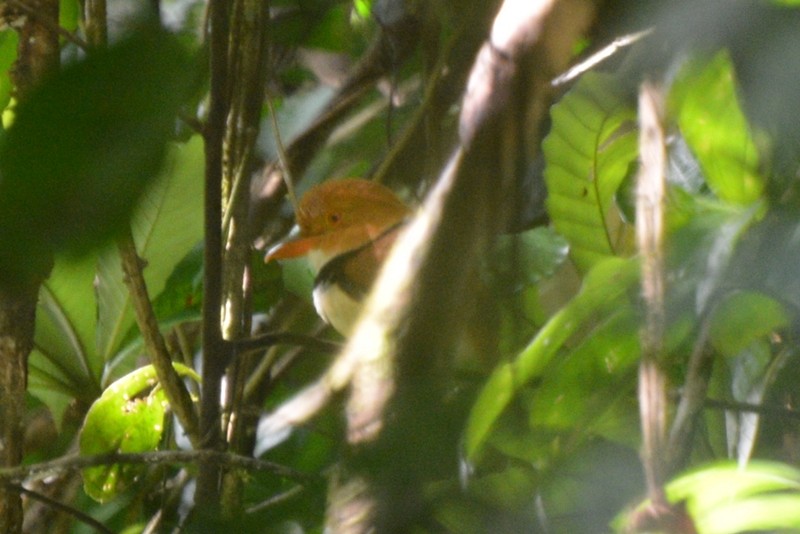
347	228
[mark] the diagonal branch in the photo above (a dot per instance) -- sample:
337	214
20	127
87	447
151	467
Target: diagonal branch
179	399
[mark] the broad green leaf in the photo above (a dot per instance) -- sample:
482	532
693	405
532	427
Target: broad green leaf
604	290
588	152
83	146
706	106
64	364
728	498
167	224
128	417
745	317
590	378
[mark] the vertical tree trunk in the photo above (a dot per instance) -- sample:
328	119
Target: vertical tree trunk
17	310
37	56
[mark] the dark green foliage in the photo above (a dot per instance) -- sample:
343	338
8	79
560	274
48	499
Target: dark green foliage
84	145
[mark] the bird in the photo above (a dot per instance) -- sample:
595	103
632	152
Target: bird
346	230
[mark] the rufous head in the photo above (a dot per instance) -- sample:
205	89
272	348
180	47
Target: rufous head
341	215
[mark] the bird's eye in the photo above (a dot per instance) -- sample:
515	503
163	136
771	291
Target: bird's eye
333	218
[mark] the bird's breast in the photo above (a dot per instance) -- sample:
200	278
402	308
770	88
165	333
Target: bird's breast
337	307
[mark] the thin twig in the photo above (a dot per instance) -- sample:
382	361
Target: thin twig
74	512
692	398
283	160
74	462
599	56
266	341
276	499
761	409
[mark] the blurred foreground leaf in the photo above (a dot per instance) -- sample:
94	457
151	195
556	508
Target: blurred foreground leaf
83	146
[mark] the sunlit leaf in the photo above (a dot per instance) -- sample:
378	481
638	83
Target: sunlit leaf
588	153
727	498
712	122
128	417
363	8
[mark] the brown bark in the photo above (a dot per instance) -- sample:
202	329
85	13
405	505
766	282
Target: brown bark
17	311
37	57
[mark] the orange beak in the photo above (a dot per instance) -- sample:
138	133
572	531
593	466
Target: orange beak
293	247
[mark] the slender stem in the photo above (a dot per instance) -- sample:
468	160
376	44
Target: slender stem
649	233
215	357
74	462
266	341
61	507
177	394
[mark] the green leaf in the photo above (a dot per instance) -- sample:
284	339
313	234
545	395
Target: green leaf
83	146
128	417
743	318
604	290
727	498
8	54
68	14
363	8
529	256
166	224
182	297
591	378
588	153
705	103
64	364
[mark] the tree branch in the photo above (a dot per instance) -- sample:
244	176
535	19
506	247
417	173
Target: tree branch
215	354
61	507
179	399
37	58
75	462
650	234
